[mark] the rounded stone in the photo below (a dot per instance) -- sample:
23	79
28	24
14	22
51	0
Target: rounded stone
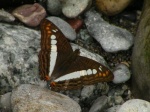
87	91
65	28
29	14
112	7
5	101
136	105
33	98
121	74
99	104
111	38
54	7
73	8
5	16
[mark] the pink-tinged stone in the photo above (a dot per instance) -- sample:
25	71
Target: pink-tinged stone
29	14
76	24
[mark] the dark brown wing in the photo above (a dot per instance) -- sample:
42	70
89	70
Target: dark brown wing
63	48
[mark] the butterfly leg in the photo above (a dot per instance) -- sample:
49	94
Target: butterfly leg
48	84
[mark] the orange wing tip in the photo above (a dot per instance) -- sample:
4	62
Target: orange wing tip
47	78
53	84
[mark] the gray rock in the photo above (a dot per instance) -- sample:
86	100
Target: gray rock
121	73
99	104
5	101
33	98
65	28
118	100
73	8
88	54
54	7
84	35
19	47
5	16
87	91
103	87
111	38
136	105
113	109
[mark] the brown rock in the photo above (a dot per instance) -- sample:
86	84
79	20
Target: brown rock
29	14
112	7
76	23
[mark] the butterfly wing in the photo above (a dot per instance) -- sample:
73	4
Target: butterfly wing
55	52
51	55
83	71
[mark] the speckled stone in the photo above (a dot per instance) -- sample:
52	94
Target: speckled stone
5	101
110	37
5	16
73	8
136	105
19	54
33	98
99	104
118	100
113	109
54	7
87	91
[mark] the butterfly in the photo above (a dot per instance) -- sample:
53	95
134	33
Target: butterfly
63	68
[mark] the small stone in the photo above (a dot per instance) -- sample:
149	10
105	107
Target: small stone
76	23
31	15
73	8
33	98
113	109
131	16
54	7
112	7
111	38
87	91
65	28
121	74
136	105
5	101
99	104
103	87
5	16
118	100
84	35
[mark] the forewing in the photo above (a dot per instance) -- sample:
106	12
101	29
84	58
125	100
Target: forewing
54	48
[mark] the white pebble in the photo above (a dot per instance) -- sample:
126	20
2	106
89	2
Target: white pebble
135	105
121	74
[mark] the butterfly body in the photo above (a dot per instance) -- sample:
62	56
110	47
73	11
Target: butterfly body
64	68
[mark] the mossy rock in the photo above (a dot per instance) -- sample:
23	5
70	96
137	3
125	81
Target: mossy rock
141	56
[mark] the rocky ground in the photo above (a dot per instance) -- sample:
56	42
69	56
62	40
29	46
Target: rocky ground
108	35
